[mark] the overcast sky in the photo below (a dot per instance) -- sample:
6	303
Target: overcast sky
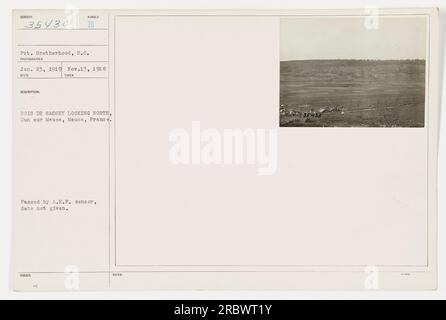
347	38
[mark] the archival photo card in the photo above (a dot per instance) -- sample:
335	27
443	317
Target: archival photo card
158	150
353	71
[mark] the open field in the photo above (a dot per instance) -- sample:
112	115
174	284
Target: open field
352	93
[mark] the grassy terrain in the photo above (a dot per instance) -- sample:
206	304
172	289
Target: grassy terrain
352	93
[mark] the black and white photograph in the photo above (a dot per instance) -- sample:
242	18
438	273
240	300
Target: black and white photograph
353	71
